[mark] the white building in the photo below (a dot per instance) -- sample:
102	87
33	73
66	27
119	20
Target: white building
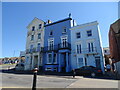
34	42
86	46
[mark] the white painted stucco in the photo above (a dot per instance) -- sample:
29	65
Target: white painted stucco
83	40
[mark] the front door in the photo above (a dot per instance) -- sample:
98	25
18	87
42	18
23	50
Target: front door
64	63
35	61
98	64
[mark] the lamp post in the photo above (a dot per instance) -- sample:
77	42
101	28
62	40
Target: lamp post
34	78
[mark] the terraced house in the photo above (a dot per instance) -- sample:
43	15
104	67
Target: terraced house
54	46
34	44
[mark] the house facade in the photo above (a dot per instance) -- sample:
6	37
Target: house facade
114	44
86	46
57	46
34	44
62	46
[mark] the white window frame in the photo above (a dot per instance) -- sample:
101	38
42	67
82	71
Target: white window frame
38	35
49	40
64	37
79	63
78	49
91	46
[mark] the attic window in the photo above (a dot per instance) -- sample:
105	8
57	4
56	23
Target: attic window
64	30
33	28
51	33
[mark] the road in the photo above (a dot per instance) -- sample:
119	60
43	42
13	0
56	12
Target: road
10	80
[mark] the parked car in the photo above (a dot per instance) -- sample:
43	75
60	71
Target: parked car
88	70
19	66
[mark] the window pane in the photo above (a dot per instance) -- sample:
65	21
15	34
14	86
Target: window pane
89	33
33	28
78	35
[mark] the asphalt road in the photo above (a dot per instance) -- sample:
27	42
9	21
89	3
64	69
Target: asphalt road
10	80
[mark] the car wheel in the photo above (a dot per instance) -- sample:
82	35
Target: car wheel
93	74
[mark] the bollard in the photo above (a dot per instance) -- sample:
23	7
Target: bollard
34	78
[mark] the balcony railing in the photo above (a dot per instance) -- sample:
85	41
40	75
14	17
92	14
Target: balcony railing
64	45
37	49
50	48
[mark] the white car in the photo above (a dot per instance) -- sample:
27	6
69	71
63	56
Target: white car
19	66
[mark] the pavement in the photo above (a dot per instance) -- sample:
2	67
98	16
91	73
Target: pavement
23	79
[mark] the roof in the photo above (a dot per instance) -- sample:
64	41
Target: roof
116	26
34	20
59	21
85	25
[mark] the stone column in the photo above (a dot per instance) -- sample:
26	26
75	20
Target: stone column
67	65
32	61
59	60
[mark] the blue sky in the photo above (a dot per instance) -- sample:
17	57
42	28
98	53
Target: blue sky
16	17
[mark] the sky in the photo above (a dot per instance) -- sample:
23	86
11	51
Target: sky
17	15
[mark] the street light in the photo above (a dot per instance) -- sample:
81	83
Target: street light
34	78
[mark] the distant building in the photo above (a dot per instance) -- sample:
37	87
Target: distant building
114	43
86	46
106	51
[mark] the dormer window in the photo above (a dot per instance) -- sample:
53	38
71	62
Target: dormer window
40	25
33	28
51	33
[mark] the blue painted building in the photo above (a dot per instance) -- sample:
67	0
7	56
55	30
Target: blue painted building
57	47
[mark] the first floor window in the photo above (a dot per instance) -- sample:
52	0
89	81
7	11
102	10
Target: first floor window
55	58
90	47
79	49
39	35
80	62
49	58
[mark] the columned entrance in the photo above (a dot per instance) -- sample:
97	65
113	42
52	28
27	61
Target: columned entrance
63	62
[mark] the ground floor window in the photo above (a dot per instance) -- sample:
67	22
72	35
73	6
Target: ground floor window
48	69
55	69
49	58
80	62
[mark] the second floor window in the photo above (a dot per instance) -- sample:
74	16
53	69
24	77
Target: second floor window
32	37
89	33
40	25
39	35
78	35
33	28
